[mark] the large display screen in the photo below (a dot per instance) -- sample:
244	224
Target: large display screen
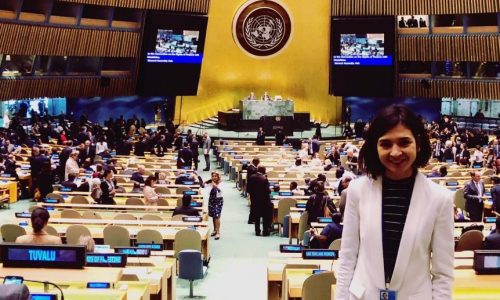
176	46
171	54
362	56
362	50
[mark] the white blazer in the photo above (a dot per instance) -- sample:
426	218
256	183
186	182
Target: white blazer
428	229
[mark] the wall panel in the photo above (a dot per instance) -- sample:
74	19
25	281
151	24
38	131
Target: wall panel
407	7
47	40
64	87
461	88
194	6
479	47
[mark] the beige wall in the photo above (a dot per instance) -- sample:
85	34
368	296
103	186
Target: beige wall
300	71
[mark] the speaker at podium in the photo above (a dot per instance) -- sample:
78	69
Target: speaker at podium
271	125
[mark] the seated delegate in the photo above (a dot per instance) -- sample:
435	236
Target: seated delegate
185	208
39	219
331	232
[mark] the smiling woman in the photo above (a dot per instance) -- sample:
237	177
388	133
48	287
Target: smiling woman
395	218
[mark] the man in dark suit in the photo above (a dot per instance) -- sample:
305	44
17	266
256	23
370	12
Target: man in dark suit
261	137
185	156
137	176
36	162
261	206
280	137
474	193
86	153
402	23
70	183
139	147
438	150
492	241
252	169
194	146
495	194
314	144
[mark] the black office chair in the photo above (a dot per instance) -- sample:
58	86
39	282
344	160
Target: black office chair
191	268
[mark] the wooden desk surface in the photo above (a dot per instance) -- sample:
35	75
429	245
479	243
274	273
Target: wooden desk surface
79	291
87	274
128	195
111	207
124	222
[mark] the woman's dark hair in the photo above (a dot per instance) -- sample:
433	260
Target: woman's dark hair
319	187
149	180
106	173
39	218
186	200
387	119
495	179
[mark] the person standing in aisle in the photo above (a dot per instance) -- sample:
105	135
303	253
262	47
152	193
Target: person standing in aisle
215	202
207	143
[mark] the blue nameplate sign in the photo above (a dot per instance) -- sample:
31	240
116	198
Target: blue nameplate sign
452	183
153	247
286	194
324	220
133	251
188	182
115	260
42	256
300	205
489	219
191	219
284	248
43	296
5	175
65	189
50	200
196	204
23	215
238	156
98	285
319	271
190	192
320	254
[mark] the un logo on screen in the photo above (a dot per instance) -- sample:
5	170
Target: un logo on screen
262	28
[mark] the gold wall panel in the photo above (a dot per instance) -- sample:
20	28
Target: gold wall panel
462	88
48	40
64	87
300	71
415	7
194	6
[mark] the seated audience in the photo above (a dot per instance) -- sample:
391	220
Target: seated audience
186	209
331	232
319	204
70	183
137	176
88	242
492	241
39	219
459	214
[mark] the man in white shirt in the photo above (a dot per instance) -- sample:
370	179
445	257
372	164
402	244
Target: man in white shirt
72	165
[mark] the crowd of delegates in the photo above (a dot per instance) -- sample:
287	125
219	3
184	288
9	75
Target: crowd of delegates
450	144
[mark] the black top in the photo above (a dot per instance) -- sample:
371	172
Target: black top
186	210
396	197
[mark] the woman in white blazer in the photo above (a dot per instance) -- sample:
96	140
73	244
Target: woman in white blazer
421	267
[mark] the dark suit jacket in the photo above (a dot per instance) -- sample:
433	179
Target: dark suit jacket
492	241
106	198
188	211
83	155
36	163
139	148
315	146
473	203
137	177
447	155
69	184
280	137
261	138
185	157
495	197
260	199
